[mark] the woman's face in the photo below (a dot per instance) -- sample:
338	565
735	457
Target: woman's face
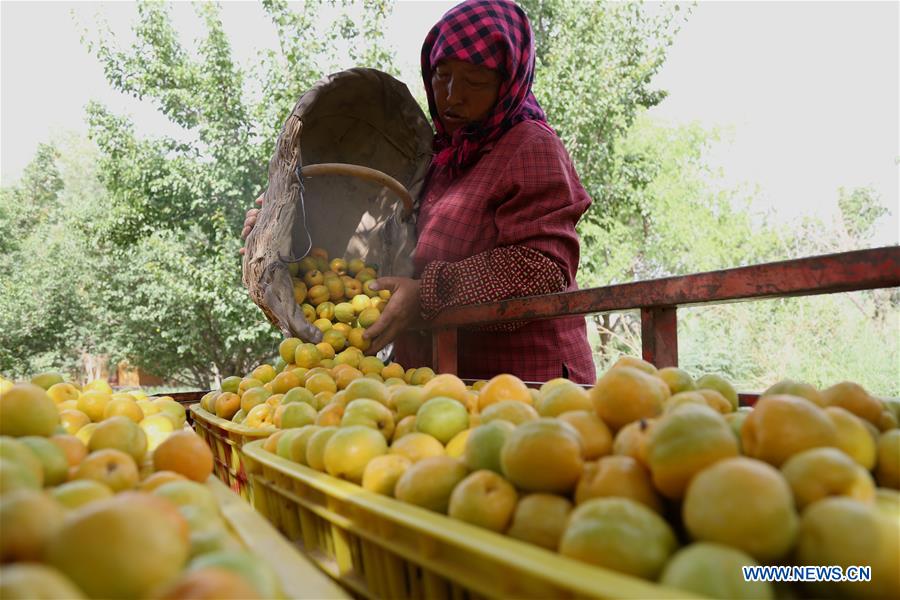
463	93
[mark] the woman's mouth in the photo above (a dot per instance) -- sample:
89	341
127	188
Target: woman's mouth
451	118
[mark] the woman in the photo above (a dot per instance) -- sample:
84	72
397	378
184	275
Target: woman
497	215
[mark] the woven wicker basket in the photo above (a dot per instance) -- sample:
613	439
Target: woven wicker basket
348	167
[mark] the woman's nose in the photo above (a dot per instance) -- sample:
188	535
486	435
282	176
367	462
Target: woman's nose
454	92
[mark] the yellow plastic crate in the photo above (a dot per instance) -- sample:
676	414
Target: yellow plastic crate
379	547
298	576
226	439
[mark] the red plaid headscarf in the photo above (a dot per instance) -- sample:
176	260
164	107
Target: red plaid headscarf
490	33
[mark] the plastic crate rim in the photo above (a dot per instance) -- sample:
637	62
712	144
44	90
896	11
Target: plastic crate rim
204	415
514	553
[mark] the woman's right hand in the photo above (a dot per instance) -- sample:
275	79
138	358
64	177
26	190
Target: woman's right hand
250	221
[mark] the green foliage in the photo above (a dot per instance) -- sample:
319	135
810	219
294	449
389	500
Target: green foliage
595	64
177	206
28	205
46	309
659	210
233	115
694	224
688	221
145	266
182	309
818	339
309	47
163	183
860	210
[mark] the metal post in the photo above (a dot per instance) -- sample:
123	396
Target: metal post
659	335
444	351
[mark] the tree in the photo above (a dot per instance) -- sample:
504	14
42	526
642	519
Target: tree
50	273
175	302
595	65
693	223
689	223
27	205
817	339
190	318
860	210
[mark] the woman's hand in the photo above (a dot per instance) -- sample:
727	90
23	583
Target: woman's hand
402	310
250	221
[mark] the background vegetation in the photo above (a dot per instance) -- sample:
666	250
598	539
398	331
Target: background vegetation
126	247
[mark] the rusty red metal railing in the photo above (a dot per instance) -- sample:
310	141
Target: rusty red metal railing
660	299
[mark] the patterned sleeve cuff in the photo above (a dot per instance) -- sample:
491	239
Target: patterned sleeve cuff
506	272
429	289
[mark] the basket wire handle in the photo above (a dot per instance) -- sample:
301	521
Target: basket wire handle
361	172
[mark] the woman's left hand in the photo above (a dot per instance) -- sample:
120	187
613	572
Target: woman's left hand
398	315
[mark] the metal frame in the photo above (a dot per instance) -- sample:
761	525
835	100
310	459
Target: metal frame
659	299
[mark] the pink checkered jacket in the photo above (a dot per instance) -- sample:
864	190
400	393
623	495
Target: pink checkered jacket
504	228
